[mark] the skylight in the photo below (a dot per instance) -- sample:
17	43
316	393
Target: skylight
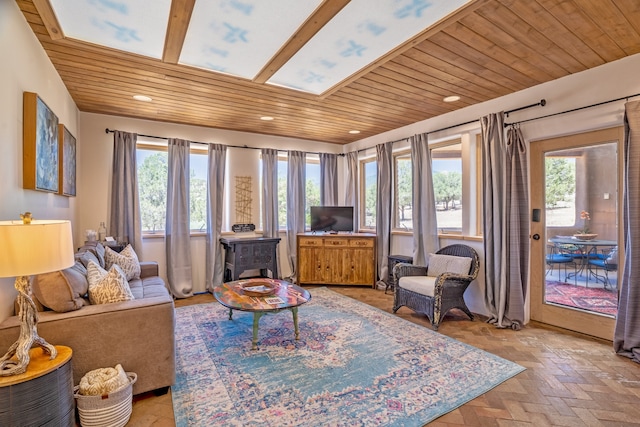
240	37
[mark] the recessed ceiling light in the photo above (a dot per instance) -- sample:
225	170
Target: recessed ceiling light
452	98
354	132
266	118
142	98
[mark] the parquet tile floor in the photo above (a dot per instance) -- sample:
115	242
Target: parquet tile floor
571	379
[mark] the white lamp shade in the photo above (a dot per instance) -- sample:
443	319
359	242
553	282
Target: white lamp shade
40	247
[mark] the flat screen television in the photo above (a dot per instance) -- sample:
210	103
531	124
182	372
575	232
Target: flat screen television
332	218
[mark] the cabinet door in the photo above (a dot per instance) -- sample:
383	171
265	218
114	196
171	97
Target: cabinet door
310	261
336	253
362	261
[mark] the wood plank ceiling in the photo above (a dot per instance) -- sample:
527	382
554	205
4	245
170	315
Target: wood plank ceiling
488	49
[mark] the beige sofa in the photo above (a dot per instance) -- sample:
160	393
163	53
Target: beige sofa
138	334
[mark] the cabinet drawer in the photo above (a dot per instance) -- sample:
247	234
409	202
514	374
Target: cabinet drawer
336	242
361	243
311	241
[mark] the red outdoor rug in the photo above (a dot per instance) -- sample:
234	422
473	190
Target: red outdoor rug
592	299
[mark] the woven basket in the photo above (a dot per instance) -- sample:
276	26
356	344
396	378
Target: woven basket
111	410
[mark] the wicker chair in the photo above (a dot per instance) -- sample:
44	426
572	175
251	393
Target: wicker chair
447	293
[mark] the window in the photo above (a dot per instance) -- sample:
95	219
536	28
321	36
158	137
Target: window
560	191
403	194
368	192
152	167
446	163
312	189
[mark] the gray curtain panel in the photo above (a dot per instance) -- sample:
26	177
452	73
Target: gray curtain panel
214	254
384	159
518	217
626	340
351	192
296	184
328	179
124	220
270	226
178	227
425	225
505	195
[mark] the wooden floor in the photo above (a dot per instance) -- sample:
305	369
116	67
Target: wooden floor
571	379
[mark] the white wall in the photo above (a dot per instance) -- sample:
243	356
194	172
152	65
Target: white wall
607	82
95	164
26	67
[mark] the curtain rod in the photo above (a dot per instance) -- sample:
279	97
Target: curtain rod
107	130
542	103
572	110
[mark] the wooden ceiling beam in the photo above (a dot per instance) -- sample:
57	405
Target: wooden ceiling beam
323	14
179	19
49	19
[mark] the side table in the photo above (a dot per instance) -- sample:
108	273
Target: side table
43	395
242	254
392	261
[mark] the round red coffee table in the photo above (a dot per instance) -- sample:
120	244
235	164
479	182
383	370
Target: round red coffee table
261	296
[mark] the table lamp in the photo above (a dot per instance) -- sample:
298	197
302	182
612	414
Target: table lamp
30	247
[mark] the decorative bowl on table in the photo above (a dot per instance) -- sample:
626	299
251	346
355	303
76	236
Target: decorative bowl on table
258	288
585	236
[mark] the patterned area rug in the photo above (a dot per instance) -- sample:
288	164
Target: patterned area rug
353	365
592	299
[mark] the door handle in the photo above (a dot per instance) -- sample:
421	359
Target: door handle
536	236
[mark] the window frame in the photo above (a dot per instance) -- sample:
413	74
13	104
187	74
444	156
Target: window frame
162	146
363	191
404	153
465	212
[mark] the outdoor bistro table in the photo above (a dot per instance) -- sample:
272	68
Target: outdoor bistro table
281	295
584	246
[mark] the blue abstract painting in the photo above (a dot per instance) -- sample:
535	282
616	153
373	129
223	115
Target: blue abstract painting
46	148
67	162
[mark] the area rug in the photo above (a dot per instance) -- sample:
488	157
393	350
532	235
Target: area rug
593	299
353	365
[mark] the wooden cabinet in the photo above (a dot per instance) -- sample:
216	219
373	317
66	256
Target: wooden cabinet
337	259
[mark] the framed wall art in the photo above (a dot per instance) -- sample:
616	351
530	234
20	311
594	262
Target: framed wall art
40	145
67	160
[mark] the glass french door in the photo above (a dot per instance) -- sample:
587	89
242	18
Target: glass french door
576	230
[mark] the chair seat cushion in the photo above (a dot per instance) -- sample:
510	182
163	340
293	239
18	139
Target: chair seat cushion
424	285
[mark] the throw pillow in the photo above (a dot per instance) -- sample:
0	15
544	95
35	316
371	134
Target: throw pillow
127	260
106	287
439	264
62	290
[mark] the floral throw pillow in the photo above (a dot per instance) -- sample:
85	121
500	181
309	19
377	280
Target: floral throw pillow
106	287
127	260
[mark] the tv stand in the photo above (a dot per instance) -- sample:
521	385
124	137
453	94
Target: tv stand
336	259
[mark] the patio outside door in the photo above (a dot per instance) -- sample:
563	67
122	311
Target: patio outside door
576	184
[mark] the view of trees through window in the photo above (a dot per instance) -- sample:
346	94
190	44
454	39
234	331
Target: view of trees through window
152	170
560	191
370	181
446	163
312	189
404	192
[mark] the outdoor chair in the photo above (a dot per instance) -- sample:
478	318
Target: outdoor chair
437	288
560	256
606	260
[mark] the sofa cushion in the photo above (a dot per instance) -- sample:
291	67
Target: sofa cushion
439	264
424	285
148	287
62	290
85	256
127	260
97	249
107	287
